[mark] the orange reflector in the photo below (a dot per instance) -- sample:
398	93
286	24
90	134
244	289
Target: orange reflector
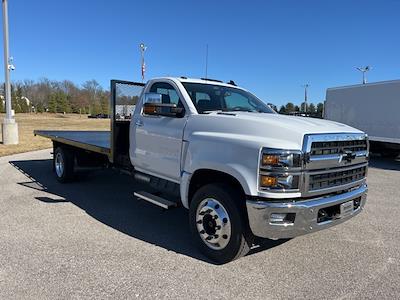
270	159
149	109
268	181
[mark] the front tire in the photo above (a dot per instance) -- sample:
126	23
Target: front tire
217	223
63	164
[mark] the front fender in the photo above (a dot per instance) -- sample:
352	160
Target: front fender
240	160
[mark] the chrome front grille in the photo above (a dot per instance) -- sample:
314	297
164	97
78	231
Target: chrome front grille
334	162
336	178
327	163
337	147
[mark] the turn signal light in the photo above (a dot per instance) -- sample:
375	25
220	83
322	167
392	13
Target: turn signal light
270	160
268	181
149	109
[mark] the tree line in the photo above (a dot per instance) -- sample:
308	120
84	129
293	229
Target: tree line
54	96
292	109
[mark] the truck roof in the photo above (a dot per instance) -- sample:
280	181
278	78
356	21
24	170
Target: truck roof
200	80
366	84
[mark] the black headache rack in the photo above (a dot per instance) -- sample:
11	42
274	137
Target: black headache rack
114	144
124	95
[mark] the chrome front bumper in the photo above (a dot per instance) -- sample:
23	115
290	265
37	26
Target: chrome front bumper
305	214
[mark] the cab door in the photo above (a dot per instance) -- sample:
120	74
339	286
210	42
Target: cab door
157	140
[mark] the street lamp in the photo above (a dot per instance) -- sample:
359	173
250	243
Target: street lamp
143	48
364	71
9	126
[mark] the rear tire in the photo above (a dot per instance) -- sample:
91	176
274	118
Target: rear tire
217	223
63	164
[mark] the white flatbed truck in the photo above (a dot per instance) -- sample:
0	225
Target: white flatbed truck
242	170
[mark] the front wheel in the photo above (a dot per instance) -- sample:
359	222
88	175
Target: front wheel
217	223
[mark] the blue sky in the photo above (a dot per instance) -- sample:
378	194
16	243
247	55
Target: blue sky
268	47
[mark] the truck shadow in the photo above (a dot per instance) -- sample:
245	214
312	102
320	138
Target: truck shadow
108	197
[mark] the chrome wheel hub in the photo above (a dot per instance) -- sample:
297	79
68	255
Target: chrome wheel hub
59	164
213	224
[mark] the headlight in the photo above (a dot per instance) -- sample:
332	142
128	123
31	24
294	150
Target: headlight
280	170
284	159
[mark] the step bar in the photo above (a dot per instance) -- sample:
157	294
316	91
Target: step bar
161	202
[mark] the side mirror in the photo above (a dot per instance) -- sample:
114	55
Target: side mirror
152	98
153	106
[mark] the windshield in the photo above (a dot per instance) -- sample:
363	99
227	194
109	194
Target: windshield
210	97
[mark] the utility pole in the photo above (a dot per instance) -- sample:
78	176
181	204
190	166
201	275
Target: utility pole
306	86
364	71
9	126
206	61
143	48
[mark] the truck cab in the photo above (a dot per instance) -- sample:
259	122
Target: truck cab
242	170
295	175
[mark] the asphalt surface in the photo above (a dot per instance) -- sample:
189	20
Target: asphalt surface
92	239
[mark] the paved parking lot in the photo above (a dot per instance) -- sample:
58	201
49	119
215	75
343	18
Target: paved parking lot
91	239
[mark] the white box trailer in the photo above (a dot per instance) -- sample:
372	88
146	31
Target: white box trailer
373	108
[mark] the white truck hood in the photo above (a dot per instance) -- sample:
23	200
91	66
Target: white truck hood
266	130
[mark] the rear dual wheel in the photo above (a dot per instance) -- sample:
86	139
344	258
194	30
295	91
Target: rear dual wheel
217	223
63	164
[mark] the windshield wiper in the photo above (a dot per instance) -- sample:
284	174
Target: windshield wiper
232	110
210	111
243	109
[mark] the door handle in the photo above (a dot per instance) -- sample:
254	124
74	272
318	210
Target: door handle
139	123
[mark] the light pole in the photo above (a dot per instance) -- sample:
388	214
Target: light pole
143	48
206	60
9	126
364	71
306	86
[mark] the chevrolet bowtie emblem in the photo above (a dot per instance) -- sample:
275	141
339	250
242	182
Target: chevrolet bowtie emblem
348	156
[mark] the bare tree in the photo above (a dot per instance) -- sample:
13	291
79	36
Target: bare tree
93	91
90	97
